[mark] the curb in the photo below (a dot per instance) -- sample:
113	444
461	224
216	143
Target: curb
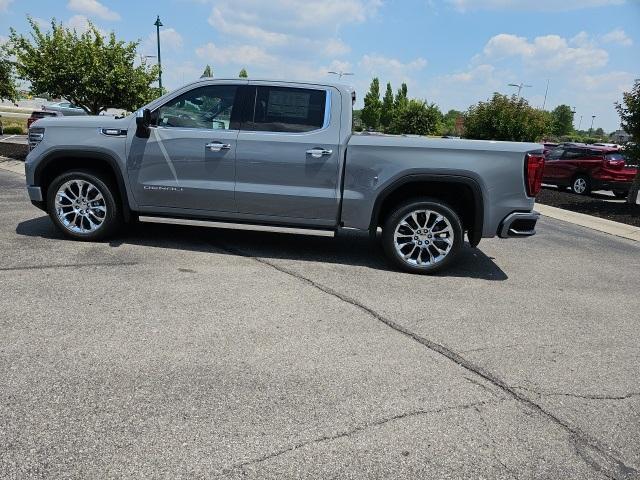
595	223
11	165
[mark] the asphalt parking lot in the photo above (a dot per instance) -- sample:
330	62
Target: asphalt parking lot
176	352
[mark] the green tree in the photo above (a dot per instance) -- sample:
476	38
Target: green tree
629	111
208	73
243	74
386	115
418	118
88	69
451	123
401	98
8	88
562	120
372	106
506	118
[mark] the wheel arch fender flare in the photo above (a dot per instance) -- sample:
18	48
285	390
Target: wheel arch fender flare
475	233
80	155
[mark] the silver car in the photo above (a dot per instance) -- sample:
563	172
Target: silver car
64	108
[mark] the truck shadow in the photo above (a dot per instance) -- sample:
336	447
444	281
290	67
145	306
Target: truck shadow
346	249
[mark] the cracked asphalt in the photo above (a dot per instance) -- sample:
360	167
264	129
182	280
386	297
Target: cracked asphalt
175	352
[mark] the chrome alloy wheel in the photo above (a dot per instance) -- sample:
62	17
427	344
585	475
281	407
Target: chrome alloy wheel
579	185
423	237
80	206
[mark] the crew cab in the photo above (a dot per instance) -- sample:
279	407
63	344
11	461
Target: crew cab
250	154
588	167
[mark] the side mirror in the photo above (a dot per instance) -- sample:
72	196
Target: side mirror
143	121
143	118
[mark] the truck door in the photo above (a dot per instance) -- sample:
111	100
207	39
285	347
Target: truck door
288	153
188	159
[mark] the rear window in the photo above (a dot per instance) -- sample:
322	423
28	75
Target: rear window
283	109
41	114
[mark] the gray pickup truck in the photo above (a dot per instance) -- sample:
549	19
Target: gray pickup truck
281	156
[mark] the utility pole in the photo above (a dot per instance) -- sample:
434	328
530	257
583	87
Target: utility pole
580	123
573	115
593	117
341	74
158	24
520	86
545	95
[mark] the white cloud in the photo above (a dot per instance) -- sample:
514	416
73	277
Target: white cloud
170	40
379	65
92	7
531	5
548	52
4	5
246	55
617	36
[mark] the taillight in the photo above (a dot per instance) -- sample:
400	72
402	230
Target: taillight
533	170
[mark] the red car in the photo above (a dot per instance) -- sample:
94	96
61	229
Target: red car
586	167
38	114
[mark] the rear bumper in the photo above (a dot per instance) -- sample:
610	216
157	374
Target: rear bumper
518	224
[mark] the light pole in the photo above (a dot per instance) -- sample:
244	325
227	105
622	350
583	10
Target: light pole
158	24
341	74
573	115
593	117
545	95
520	86
580	123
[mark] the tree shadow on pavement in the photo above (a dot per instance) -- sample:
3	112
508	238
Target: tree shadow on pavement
346	249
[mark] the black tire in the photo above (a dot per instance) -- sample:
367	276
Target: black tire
621	193
399	213
581	184
112	217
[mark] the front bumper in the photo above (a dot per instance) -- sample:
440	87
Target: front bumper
518	224
35	193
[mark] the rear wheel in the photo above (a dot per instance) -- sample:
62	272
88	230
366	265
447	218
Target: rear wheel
422	236
581	185
83	205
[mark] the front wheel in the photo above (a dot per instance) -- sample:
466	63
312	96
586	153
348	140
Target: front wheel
581	185
422	236
83	205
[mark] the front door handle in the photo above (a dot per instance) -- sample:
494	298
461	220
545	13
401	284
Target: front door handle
319	152
217	146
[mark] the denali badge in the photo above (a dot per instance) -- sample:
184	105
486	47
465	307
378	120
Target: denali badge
163	188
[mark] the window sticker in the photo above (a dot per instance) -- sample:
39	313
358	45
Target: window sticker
288	104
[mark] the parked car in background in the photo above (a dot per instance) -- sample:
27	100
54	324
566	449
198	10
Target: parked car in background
64	108
38	114
587	167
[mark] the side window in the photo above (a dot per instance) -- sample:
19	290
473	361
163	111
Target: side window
573	154
207	107
555	154
283	109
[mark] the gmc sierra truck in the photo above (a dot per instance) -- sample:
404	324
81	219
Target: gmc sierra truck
253	154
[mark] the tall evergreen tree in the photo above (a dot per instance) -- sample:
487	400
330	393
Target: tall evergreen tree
386	115
243	74
372	106
401	98
207	72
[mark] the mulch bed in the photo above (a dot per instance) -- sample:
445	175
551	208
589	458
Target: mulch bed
617	211
13	150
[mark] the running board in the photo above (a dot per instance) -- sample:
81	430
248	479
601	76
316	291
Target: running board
237	226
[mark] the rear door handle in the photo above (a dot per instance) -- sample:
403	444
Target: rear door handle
217	146
319	152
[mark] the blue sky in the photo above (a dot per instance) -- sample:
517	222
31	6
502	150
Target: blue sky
451	52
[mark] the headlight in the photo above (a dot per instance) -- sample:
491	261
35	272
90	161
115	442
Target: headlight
36	134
